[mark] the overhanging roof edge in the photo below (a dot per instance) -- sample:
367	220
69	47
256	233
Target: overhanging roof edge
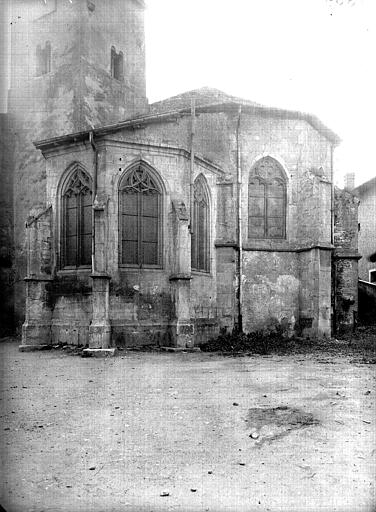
174	114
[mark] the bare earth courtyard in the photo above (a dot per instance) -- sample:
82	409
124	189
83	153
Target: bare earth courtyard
186	432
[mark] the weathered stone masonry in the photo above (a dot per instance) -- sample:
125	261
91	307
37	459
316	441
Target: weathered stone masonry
6	230
285	281
75	94
345	260
95	121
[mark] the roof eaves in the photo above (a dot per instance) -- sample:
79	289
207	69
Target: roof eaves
277	112
172	115
133	123
310	118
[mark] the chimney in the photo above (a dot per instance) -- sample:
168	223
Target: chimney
350	181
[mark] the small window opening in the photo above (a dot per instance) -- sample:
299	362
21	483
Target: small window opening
117	64
200	225
43	58
372	276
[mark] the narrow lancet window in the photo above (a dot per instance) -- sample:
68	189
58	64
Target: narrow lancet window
200	227
77	220
117	64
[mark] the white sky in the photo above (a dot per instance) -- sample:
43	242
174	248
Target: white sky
309	55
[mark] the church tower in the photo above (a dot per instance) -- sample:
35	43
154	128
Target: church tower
75	64
79	63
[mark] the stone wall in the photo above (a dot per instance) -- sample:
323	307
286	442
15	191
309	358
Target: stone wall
70	300
284	281
77	93
142	306
6	230
270	290
345	261
227	286
305	156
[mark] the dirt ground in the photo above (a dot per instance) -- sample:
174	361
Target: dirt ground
186	432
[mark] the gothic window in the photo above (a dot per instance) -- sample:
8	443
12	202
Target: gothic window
267	200
117	64
77	220
200	227
140	218
43	58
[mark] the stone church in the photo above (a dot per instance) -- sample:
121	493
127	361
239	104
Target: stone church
131	223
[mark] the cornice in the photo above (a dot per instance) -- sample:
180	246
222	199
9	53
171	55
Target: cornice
165	148
78	144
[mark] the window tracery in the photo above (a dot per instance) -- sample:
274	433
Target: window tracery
77	220
267	200
200	227
140	218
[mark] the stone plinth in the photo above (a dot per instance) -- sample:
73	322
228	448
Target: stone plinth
100	328
36	330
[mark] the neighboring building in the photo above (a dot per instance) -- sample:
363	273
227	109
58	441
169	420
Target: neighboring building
367	248
161	223
367	229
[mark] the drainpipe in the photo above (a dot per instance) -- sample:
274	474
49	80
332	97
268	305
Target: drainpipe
28	249
95	179
240	233
192	165
334	268
332	195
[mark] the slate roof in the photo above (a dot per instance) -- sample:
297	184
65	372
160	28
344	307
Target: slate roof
202	96
207	100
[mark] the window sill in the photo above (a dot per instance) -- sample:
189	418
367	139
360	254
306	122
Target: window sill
118	80
74	271
136	268
196	272
268	239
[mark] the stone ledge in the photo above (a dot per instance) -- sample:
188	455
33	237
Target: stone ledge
178	277
180	349
39	278
347	256
99	352
33	348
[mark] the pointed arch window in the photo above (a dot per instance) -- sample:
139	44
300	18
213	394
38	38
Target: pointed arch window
200	227
140	218
117	64
267	200
77	220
